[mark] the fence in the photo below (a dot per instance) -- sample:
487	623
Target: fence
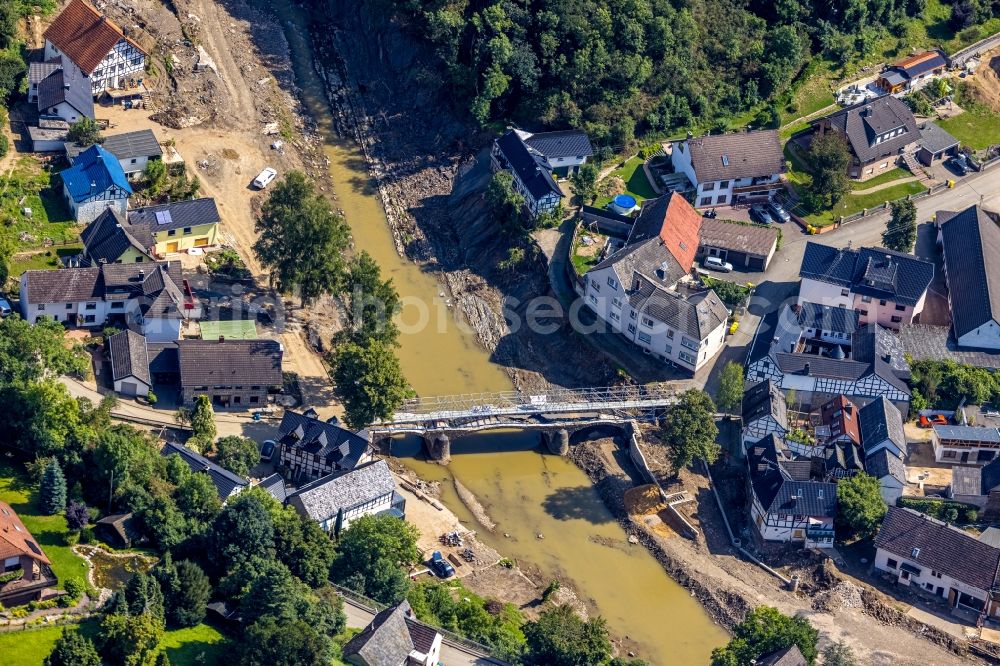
847	219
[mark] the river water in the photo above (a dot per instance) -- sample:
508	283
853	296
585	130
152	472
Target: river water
525	492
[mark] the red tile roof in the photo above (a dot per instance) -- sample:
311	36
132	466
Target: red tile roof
842	416
15	539
681	230
84	35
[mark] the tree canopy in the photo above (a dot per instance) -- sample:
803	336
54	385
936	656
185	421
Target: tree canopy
860	507
689	430
85	132
828	161
369	381
766	630
73	649
237	454
370	554
560	638
901	230
730	393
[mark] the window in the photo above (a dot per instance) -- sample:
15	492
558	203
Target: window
69	306
91	306
138	259
117	305
631	328
632	314
133	161
687	358
863	313
187	231
722	198
900	308
896	319
644	337
614	316
689	343
171	232
594	285
708	187
723	184
881	301
617	302
866	299
705	201
949	454
670	334
845	292
89	319
593	299
613	283
646	321
41	307
891	563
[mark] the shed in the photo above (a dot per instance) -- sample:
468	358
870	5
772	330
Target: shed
935	144
129	363
119	530
745	246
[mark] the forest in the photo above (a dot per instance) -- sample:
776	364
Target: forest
625	68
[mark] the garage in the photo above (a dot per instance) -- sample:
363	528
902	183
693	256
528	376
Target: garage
129	364
935	144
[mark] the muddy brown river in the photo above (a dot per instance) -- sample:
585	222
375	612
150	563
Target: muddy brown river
525	492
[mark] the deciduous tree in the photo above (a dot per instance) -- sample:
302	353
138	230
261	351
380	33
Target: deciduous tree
689	430
237	454
584	182
130	640
242	530
766	630
370	555
203	419
901	230
860	507
85	132
279	642
730	393
77	516
373	302
503	202
368	381
829	158
560	638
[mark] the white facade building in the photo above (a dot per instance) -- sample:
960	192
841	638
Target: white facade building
726	169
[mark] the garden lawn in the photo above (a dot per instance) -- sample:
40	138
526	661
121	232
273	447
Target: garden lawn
49	531
852	203
201	645
635	179
28	185
882	179
978	128
29	648
44	260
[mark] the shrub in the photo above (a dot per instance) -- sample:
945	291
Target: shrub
151	398
87	535
945	510
72	538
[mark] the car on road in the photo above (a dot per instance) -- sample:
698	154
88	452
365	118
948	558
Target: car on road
758	213
441	566
264	178
959	164
778	212
5	308
717	264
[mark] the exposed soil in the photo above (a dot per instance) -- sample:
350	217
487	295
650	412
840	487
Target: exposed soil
841	607
985	84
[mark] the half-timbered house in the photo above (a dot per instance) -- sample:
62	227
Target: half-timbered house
311	448
764	412
96	46
95	183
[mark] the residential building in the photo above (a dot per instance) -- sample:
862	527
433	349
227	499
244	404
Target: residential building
275	486
727	169
835	326
129	364
563	152
234	374
94	183
134	150
940	560
877	133
748	247
888	468
935	144
532	159
881	427
640	290
345	496
873	365
394	637
789	656
764	412
19	551
226	483
839	419
153	299
912	73
970	241
972	445
884	287
979	486
840	461
152	231
60	92
311	448
49	136
95	45
784	506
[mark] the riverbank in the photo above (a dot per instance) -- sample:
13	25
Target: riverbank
839	606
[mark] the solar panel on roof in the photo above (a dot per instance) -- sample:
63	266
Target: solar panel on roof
163	217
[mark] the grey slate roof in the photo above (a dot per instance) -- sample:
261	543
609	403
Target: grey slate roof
695	316
385	641
843	455
339	446
275	486
66	84
325	497
141	143
526	166
968	481
38	71
789	656
777	492
174	215
940	547
967	433
886	463
863	123
751	239
128	356
225	482
765	399
736	155
875	272
108	237
827	318
935	139
971	242
230	362
880	420
991	536
563	143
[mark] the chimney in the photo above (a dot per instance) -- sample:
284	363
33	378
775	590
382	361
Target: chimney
806	370
222	338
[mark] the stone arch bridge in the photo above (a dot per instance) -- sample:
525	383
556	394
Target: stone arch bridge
557	414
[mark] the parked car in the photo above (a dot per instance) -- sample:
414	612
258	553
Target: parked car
267	449
441	566
959	164
5	308
778	212
758	213
264	178
932	420
717	264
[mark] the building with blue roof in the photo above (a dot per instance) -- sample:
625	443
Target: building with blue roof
94	183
